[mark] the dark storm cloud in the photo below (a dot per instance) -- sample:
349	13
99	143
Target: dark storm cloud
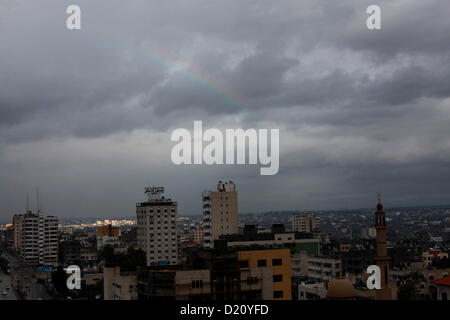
358	110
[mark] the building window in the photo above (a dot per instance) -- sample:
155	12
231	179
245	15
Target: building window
277	262
277	277
252	280
278	294
197	284
262	263
243	264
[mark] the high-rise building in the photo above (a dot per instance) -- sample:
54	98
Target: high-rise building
38	236
17	222
382	259
156	227
305	222
280	262
220	212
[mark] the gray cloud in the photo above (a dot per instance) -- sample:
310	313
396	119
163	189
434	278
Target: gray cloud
88	114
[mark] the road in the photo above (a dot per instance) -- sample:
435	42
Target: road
25	279
5	282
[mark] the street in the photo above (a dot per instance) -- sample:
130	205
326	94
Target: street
5	286
24	279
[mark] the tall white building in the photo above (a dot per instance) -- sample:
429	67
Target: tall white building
305	222
156	227
220	212
39	238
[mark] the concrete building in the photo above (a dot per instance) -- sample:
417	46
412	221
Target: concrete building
208	275
431	256
39	238
88	255
119	285
382	258
280	262
69	252
323	269
220	212
17	222
312	291
156	228
276	238
107	235
299	264
195	235
305	222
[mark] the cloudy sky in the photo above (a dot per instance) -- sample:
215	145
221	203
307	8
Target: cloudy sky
87	115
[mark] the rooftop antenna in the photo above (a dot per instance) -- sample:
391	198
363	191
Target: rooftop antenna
37	198
28	208
379	197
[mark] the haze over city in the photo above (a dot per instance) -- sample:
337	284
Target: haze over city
87	115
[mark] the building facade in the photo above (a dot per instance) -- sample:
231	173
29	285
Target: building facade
220	212
280	262
305	222
323	269
38	238
156	228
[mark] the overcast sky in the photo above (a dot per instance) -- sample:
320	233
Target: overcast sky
87	115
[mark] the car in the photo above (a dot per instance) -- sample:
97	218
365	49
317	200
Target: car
4	293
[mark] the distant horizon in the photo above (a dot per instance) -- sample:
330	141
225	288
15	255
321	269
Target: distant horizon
259	213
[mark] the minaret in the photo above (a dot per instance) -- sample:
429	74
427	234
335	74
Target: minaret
382	259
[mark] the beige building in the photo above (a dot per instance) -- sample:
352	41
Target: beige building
37	238
431	256
305	222
17	222
195	235
119	285
250	284
299	264
156	228
220	212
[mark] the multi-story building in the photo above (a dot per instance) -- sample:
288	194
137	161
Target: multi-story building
195	235
431	256
276	238
156	228
443	288
107	235
220	212
305	222
17	222
88	254
69	252
119	285
39	238
280	262
215	275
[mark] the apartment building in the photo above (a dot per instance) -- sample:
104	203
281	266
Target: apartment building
305	222
434	255
119	285
156	228
323	269
220	212
207	276
279	260
38	238
195	235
